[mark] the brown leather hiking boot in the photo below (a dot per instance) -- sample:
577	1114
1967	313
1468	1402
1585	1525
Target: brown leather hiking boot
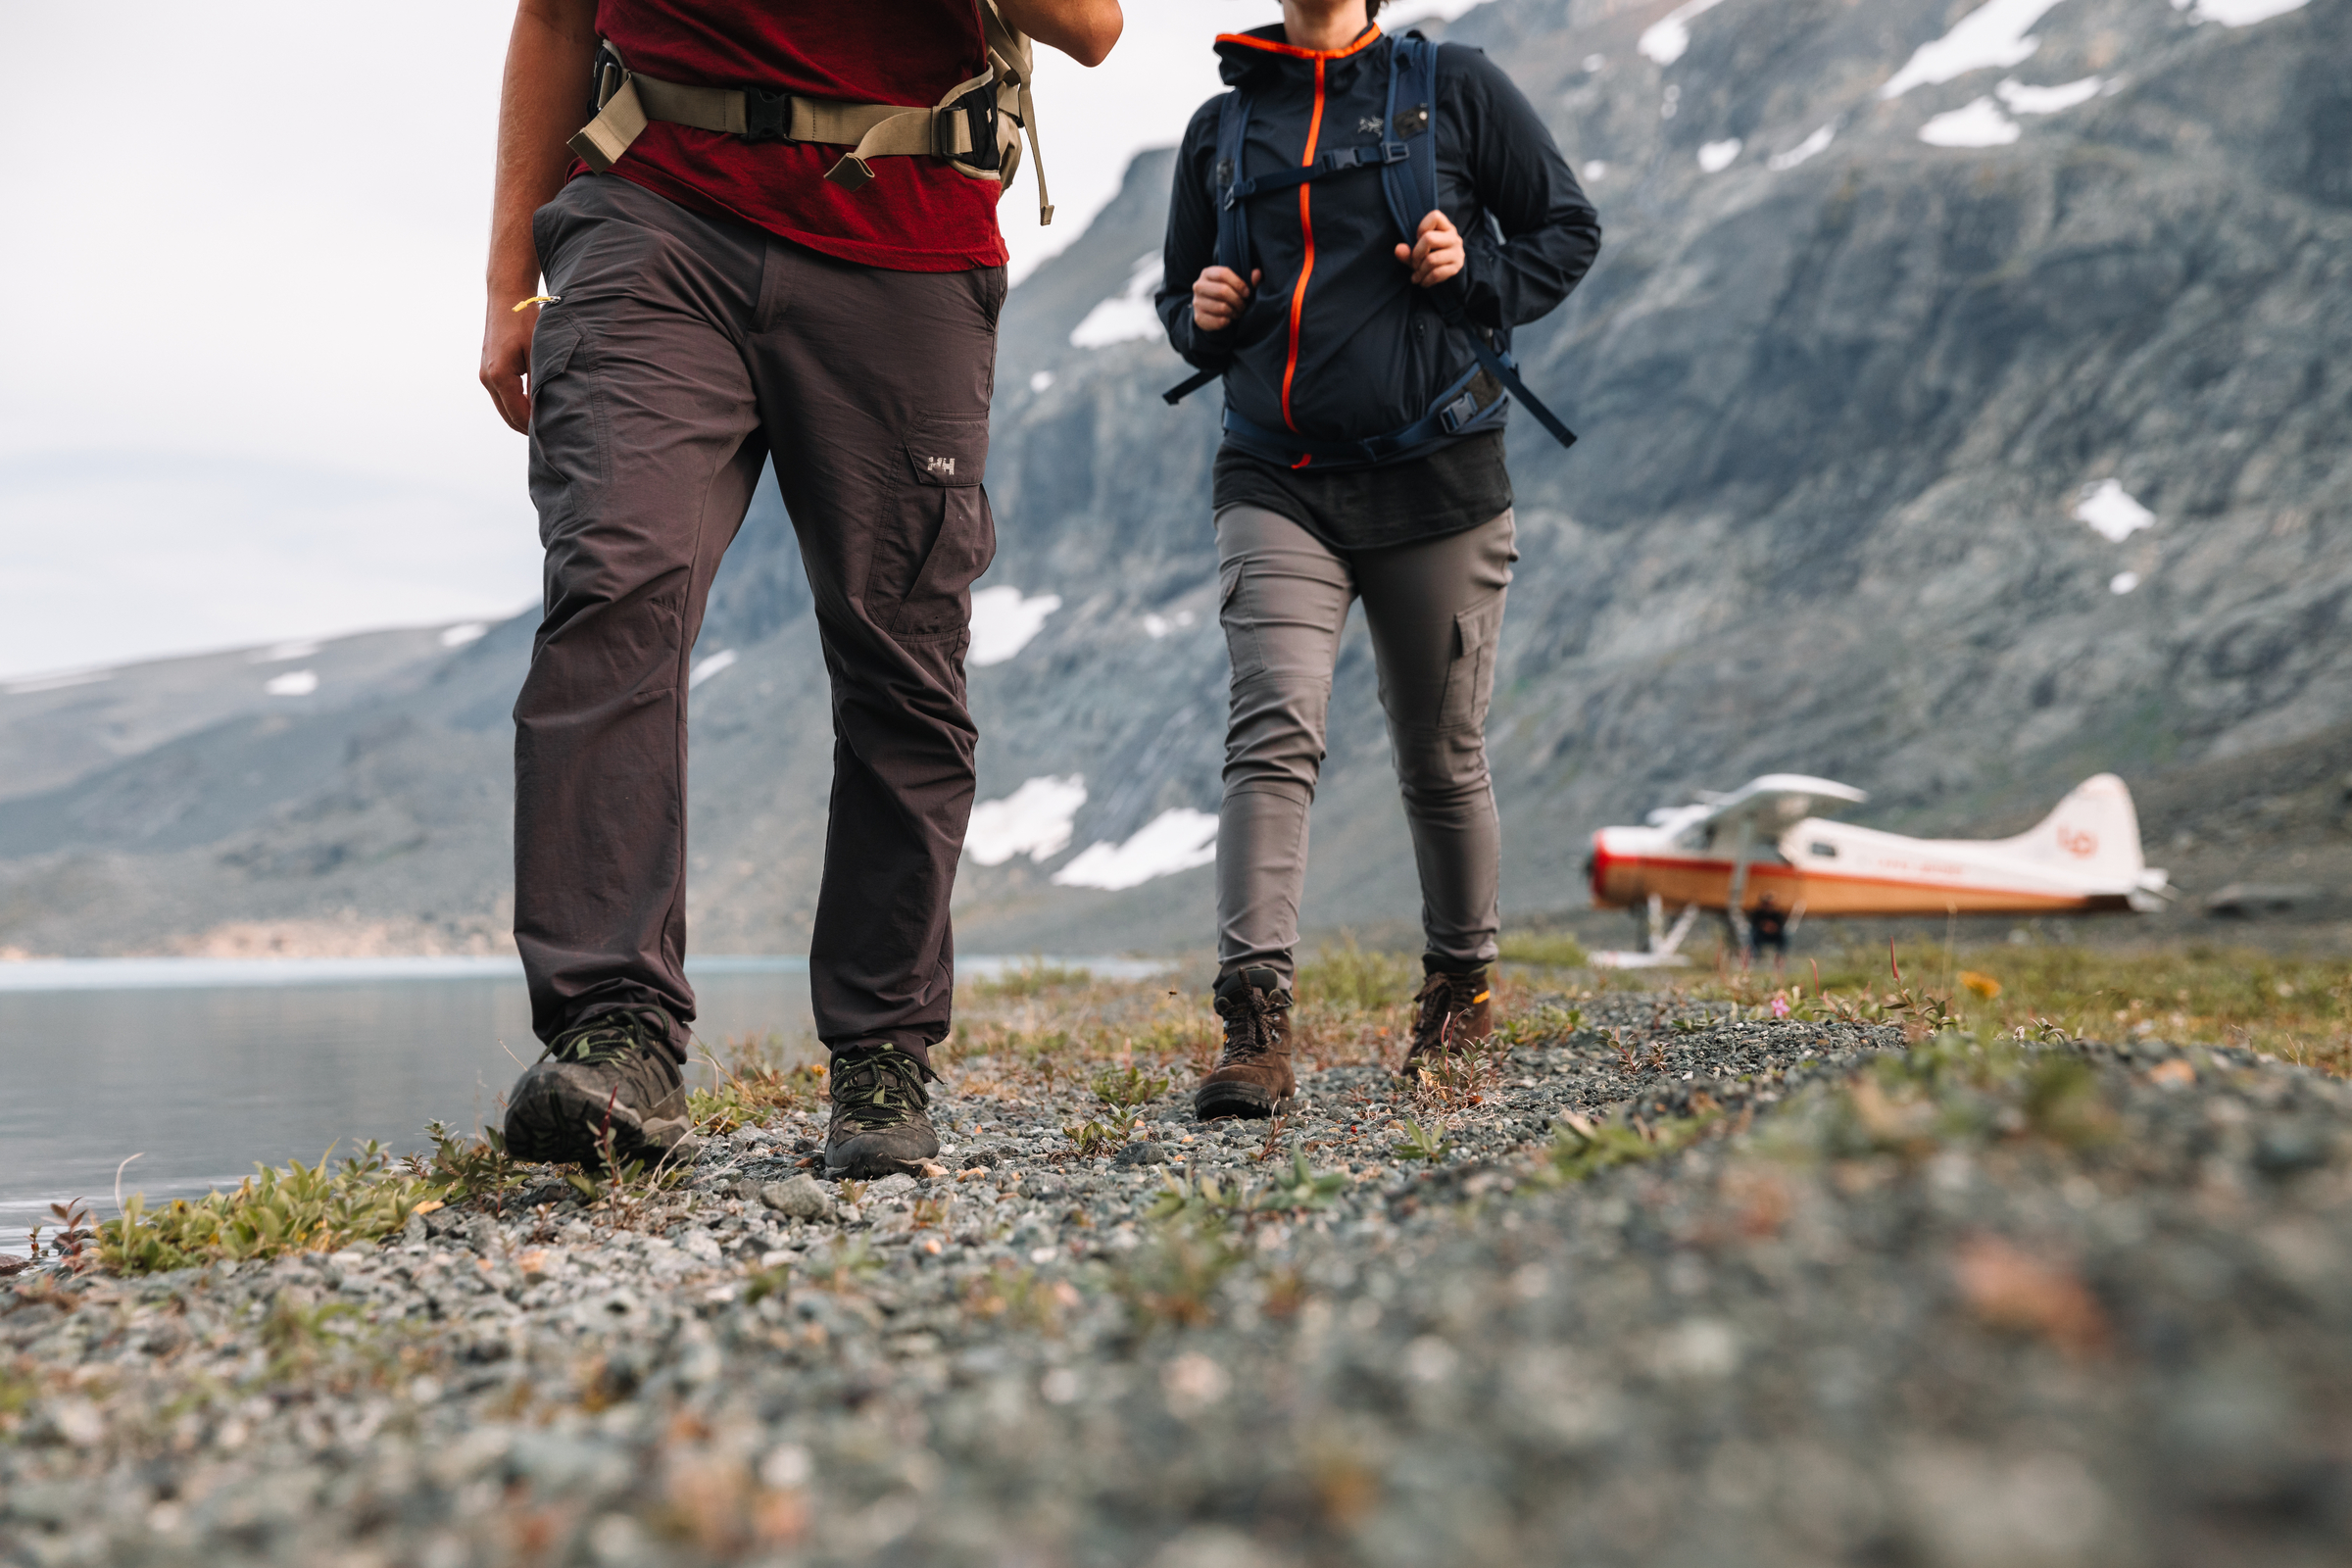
1253	1078
613	1069
881	1114
1456	1012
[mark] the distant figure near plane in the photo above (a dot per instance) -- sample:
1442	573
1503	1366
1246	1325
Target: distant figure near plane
1768	927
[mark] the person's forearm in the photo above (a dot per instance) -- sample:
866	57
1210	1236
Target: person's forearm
541	103
1083	29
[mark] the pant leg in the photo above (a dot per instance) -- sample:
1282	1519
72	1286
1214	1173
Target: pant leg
874	389
644	451
1284	598
1436	614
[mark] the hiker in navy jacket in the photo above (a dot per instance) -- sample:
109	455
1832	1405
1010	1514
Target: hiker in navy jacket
1363	456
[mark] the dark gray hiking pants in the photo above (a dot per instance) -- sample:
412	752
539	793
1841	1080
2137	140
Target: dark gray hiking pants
684	351
1435	610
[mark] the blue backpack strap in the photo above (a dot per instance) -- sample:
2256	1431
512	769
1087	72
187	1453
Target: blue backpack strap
1229	192
1411	186
1408	172
1227	182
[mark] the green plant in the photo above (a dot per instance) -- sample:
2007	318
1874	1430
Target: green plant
1297	1187
767	1282
1173	1276
1548	1024
752	1090
1092	1138
622	1188
1422	1142
1549	950
1349	979
301	1208
296	1332
2062	1102
1020	1296
1030	979
1128	1090
462	1167
1584	1149
850	1260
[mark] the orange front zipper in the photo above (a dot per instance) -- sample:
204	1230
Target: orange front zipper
1307	226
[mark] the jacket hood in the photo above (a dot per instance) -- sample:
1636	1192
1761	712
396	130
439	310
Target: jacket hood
1242	56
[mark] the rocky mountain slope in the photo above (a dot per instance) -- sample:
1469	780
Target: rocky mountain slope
1965	395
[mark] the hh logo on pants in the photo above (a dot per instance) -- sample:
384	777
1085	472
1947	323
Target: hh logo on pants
945	467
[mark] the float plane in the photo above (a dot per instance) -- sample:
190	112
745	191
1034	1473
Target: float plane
1766	840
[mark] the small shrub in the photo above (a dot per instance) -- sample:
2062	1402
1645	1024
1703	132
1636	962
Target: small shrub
1545	950
1585	1148
1173	1278
1034	978
1422	1142
1349	979
1126	1092
1091	1139
314	1208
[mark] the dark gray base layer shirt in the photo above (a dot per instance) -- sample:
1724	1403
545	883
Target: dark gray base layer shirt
1453	488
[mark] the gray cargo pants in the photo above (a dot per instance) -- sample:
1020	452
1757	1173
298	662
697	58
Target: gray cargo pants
684	351
1435	609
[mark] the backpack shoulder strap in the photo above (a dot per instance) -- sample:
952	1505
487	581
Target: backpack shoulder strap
1232	213
1410	181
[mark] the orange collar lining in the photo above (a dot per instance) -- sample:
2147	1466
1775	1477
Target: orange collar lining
1363	40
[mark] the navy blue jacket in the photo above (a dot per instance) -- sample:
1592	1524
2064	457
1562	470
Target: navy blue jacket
1336	343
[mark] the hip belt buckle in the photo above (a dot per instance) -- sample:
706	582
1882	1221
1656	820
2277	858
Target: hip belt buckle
979	107
767	116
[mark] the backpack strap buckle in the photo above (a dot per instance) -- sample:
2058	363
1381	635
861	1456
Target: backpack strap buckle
767	116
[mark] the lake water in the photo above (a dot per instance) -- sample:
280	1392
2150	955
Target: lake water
204	1066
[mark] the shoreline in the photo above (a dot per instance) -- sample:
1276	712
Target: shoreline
1679	1282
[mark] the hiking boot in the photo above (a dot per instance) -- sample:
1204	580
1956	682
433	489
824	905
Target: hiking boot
881	1123
1454	1013
1253	1078
613	1069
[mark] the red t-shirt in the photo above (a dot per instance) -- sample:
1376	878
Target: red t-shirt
917	215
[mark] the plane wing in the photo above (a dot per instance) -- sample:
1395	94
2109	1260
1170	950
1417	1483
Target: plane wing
1765	808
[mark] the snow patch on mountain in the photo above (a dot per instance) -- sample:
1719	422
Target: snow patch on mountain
1991	35
1175	840
1003	621
1126	314
1033	820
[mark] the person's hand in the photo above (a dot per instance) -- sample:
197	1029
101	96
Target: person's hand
1218	295
1436	253
507	358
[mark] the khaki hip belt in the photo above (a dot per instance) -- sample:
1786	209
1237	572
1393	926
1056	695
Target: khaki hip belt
976	126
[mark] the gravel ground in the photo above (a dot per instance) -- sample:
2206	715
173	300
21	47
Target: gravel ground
1789	1294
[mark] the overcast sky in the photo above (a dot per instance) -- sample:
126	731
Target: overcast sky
240	304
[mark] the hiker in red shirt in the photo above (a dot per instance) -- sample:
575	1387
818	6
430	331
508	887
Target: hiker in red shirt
725	231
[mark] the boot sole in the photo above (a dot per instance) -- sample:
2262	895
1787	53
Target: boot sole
558	1125
867	1166
1237	1101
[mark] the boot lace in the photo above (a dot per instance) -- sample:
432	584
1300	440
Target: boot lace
883	1090
1436	1023
1249	1028
608	1037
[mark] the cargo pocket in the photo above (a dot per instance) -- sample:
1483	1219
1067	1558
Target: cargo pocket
1242	645
568	455
945	460
1470	673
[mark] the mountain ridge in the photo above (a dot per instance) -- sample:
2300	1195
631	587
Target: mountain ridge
1837	417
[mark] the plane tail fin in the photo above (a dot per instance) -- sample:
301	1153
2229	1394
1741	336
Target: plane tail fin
2095	834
